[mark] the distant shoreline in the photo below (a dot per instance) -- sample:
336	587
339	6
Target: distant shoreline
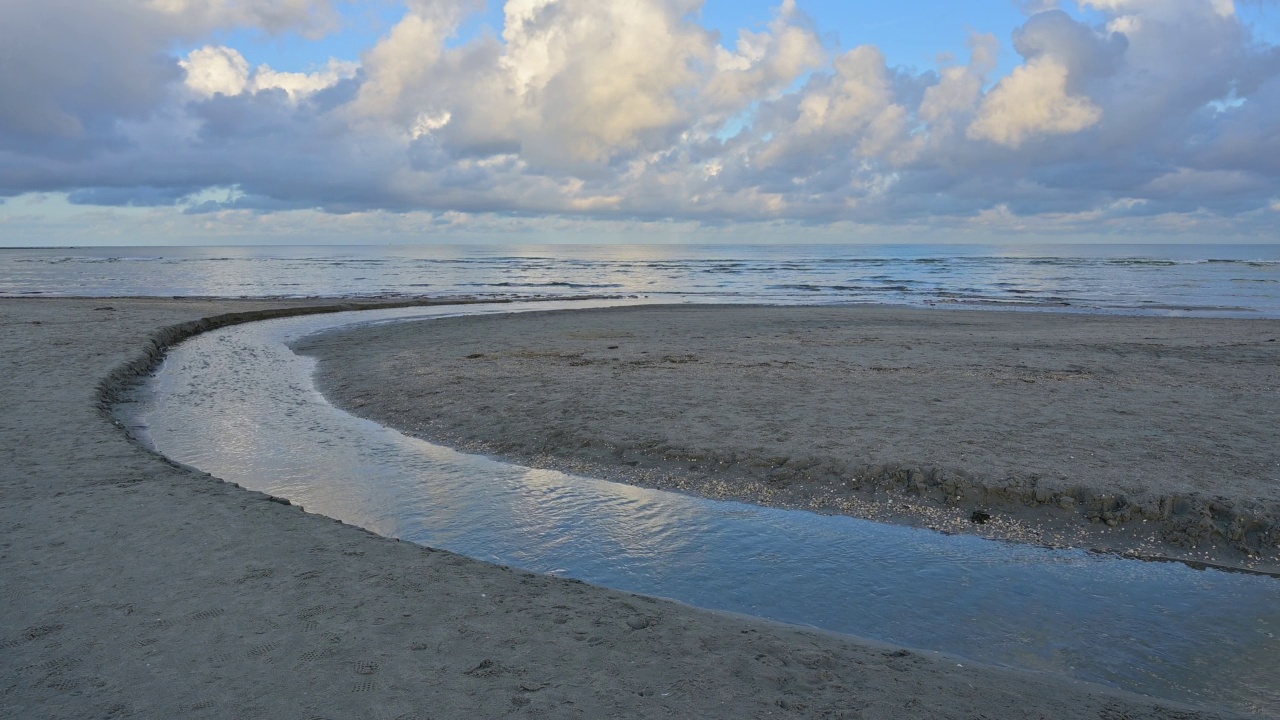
1150	437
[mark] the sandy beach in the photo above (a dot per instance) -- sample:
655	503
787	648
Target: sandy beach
1154	437
136	588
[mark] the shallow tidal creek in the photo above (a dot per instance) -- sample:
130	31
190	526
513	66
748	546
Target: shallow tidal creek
239	404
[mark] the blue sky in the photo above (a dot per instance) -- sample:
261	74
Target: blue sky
1000	120
910	33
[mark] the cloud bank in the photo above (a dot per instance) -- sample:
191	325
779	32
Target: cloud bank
1150	111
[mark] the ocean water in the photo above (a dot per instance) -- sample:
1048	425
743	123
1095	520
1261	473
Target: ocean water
1196	280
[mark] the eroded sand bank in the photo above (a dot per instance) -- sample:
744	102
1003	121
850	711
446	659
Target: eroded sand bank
133	588
1153	436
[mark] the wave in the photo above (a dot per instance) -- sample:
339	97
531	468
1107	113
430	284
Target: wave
807	287
556	283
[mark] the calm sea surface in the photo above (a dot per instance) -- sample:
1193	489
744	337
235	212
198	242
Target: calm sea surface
1202	280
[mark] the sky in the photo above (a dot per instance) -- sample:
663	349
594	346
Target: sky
301	121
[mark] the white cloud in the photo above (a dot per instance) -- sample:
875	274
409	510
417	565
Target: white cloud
595	79
763	64
299	85
1033	101
852	112
213	70
1163	9
218	70
860	95
959	88
428	123
400	65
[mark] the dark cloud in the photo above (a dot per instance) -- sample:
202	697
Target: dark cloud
70	70
1090	52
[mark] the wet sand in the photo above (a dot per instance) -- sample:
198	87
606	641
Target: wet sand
1154	437
135	588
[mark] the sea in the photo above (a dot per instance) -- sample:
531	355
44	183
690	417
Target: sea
1176	280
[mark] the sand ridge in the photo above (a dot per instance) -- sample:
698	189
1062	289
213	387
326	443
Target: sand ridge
1151	436
135	588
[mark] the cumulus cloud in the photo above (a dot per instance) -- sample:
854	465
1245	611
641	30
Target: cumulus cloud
218	70
762	65
1046	95
959	88
637	111
1033	101
594	80
72	70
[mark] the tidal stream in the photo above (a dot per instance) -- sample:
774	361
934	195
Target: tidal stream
239	404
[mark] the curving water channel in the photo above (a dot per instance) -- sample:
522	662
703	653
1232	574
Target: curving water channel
237	403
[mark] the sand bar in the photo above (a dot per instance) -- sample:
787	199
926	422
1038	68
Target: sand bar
134	588
1150	436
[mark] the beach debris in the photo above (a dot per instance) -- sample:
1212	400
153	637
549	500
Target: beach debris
475	356
486	669
638	623
980	517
